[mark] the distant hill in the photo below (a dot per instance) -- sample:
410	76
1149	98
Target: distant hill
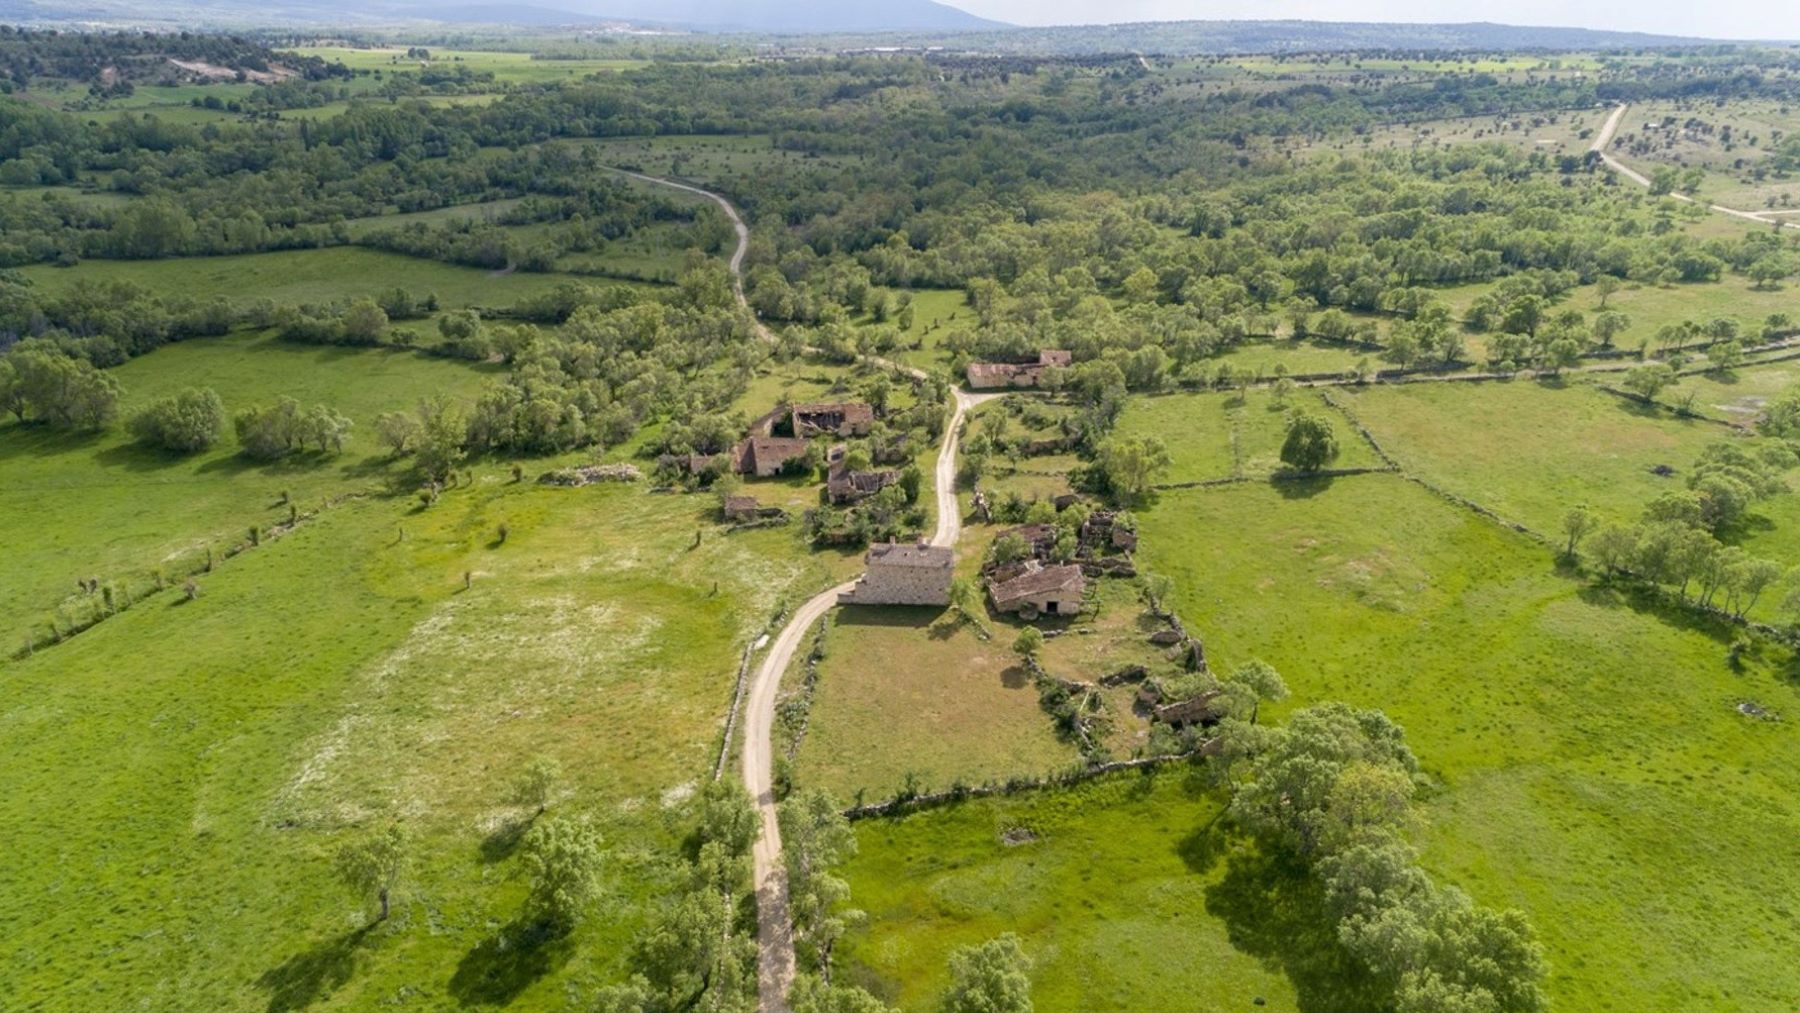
843	24
1181	38
785	16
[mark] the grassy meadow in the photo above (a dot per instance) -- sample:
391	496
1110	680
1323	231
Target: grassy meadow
1119	892
1593	769
1232	435
302	276
81	505
182	772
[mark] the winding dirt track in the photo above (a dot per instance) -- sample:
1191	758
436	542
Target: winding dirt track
1604	141
774	925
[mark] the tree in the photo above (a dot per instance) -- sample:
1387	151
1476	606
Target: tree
186	422
364	322
1609	324
1310	444
1648	380
815	839
1131	465
1577	523
372	866
397	431
1010	548
537	784
1605	287
993	977
1288	795
1250	685
325	426
812	995
1028	643
442	432
563	858
66	392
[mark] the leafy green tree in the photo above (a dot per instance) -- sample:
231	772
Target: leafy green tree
816	839
1311	443
1576	525
363	322
1649	379
372	865
1250	685
66	392
442	433
1288	794
992	977
813	995
1028	643
186	422
563	859
1131	465
397	431
537	784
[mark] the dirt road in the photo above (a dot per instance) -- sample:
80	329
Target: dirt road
774	925
1604	140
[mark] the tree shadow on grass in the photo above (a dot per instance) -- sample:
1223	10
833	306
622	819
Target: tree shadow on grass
1649	603
312	975
506	963
1293	485
499	845
1274	909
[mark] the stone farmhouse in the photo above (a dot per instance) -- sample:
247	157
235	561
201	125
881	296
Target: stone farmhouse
903	574
1039	590
992	375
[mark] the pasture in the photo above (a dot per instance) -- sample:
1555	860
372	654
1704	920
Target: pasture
78	505
1233	435
1592	766
1119	891
302	276
342	678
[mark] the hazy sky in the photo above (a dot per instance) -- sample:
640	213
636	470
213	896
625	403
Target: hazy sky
1720	19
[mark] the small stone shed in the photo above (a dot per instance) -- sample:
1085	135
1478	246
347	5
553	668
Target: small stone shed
903	574
1040	590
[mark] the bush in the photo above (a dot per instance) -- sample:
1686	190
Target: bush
184	423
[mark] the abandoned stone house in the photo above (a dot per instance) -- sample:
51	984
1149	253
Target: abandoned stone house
844	486
764	456
903	573
696	464
1039	539
990	375
1039	590
845	419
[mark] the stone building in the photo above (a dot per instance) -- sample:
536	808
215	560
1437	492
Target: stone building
764	456
845	419
903	574
990	375
844	486
1040	590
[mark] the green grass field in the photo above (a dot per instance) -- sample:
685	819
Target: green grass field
907	691
1593	768
507	67
180	774
77	506
1220	435
296	276
1122	897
